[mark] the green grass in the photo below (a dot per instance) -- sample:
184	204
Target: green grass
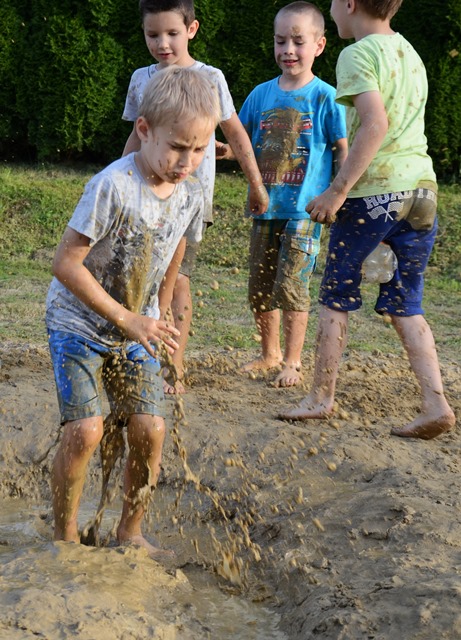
36	203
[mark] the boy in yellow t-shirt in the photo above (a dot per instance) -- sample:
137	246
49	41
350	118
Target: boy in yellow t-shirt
385	191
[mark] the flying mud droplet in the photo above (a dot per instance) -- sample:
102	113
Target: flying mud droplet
318	524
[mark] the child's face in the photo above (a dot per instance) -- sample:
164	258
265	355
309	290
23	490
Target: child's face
296	45
339	13
174	152
167	37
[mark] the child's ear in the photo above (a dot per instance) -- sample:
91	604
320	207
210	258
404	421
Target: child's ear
142	128
192	29
321	42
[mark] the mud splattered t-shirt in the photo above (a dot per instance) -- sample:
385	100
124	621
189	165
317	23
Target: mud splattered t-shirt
133	236
293	135
206	172
389	64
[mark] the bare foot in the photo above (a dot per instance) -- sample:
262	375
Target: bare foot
173	385
156	553
426	427
290	376
261	364
308	409
171	388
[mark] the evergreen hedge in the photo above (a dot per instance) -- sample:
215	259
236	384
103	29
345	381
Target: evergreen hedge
65	67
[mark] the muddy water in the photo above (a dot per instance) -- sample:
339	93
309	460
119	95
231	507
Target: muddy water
59	590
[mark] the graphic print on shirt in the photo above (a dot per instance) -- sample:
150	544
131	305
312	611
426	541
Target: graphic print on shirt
285	148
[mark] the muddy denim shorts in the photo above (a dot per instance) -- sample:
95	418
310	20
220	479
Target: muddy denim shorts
407	222
84	369
282	261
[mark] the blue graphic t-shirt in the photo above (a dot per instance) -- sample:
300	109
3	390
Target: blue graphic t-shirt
293	135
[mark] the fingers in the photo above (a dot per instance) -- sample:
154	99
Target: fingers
167	327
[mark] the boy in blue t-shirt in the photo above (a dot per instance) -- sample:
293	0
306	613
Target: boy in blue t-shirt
298	134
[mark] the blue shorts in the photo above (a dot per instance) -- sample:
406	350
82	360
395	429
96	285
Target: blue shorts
282	260
406	221
130	377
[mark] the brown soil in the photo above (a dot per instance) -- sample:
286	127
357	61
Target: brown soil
343	530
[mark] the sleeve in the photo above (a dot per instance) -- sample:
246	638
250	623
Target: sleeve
133	97
97	209
225	98
335	123
246	114
355	73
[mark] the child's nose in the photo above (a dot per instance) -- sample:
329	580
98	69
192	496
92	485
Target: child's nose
186	159
162	42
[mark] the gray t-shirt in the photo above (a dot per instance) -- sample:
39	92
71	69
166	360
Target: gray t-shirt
207	169
133	236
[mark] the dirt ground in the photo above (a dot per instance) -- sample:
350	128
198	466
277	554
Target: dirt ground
332	529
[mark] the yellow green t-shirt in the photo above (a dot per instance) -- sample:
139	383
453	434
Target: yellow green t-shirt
389	64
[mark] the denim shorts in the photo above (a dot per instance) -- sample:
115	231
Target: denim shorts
282	261
407	222
84	369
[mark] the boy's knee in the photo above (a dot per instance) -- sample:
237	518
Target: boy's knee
146	432
84	434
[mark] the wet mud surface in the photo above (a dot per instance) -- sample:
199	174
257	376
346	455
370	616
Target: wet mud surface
332	529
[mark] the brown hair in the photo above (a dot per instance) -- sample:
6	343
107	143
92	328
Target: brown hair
185	8
381	9
305	8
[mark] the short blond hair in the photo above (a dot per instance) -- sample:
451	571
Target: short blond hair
307	9
175	94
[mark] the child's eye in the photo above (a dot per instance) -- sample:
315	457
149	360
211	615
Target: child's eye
279	41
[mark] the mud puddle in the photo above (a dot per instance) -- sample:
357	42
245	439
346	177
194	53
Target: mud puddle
59	590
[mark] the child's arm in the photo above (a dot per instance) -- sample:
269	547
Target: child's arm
242	150
339	155
368	139
69	269
133	142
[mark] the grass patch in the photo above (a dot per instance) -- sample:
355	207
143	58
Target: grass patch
37	202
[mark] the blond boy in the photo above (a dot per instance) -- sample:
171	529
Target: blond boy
102	310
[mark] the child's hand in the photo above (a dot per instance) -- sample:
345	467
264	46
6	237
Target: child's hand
324	207
148	332
258	199
223	151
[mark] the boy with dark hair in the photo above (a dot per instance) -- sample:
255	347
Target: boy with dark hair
298	134
386	191
102	311
168	27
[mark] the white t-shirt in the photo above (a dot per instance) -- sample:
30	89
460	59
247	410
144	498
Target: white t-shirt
207	169
133	236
